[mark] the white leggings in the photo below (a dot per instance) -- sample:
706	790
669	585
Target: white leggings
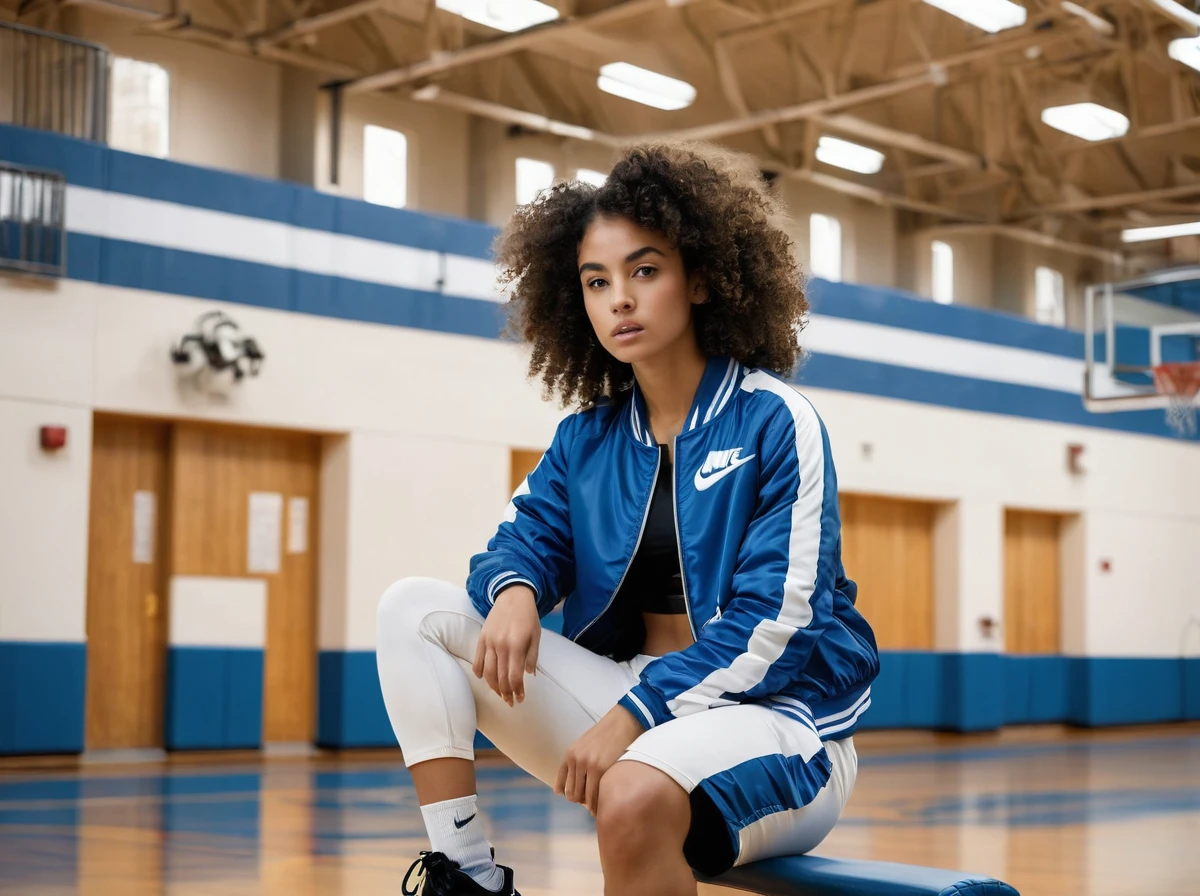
427	635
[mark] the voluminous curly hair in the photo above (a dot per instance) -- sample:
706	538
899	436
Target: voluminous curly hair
714	207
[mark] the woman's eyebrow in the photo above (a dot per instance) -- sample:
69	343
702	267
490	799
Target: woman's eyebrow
629	259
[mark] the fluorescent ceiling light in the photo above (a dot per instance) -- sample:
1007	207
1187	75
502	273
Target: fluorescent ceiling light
503	15
990	15
1186	50
644	86
1087	120
1165	232
850	156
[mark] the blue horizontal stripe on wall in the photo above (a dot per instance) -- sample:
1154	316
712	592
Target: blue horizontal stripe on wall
98	167
895	308
43	688
843	374
214	698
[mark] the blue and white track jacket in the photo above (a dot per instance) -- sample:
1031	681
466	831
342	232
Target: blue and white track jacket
756	512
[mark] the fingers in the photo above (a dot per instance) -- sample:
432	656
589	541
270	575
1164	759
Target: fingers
489	671
560	783
516	675
531	657
591	794
480	654
569	784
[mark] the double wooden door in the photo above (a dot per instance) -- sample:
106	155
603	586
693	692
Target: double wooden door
174	499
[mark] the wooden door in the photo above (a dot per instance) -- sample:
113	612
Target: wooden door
1032	597
887	549
522	464
214	472
126	619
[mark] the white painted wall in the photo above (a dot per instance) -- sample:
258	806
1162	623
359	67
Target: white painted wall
43	521
416	466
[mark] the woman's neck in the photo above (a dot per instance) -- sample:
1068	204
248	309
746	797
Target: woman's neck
668	382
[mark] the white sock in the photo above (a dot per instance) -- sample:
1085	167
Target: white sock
455	829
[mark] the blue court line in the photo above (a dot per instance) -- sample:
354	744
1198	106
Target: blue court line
174	785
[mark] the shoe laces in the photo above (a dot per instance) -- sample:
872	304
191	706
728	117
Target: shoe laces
433	875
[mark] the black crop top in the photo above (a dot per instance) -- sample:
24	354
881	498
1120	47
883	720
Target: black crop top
653	583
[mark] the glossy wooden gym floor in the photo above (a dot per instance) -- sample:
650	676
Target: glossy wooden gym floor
1055	812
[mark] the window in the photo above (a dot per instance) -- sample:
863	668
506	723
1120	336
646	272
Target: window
825	247
533	176
140	107
588	176
942	281
1050	305
385	166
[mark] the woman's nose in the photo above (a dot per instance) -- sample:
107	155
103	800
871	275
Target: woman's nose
620	300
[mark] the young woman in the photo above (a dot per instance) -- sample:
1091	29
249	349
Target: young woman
712	666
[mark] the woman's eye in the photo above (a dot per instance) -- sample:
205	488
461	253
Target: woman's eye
595	283
644	271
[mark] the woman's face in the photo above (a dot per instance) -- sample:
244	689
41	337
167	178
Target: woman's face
638	296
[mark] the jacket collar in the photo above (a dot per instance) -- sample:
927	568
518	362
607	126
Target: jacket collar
722	376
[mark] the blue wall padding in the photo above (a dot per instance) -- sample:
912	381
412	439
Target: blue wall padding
214	698
1035	689
1108	691
350	710
43	696
1191	689
973	699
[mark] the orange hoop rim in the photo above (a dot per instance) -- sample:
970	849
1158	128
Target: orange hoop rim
1178	378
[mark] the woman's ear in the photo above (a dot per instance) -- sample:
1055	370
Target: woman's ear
697	290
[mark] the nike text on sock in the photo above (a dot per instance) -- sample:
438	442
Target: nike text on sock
455	829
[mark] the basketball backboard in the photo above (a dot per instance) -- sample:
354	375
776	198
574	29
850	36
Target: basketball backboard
1130	328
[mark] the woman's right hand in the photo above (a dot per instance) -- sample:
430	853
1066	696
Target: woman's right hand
508	643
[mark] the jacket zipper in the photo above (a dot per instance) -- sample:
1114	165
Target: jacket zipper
687	604
637	544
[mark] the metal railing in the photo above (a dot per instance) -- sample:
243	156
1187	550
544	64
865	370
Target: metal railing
33	237
53	83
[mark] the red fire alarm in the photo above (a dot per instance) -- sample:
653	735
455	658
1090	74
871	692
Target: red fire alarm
53	437
1106	565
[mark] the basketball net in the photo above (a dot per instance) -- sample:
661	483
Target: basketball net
1179	382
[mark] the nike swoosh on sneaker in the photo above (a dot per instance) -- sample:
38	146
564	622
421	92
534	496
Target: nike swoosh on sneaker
703	482
462	824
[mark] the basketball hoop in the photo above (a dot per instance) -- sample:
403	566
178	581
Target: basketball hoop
1179	382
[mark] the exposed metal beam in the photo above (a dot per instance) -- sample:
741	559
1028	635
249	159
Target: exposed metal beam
509	43
1033	238
1146	133
1118	200
878	197
181	27
1178	13
320	22
498	112
776	20
764	117
869	130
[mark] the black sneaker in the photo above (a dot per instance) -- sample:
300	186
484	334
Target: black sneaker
438	876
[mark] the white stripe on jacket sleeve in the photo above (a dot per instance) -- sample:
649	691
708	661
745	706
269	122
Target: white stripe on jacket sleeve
770	637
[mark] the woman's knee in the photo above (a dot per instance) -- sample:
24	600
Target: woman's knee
641	810
408	601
